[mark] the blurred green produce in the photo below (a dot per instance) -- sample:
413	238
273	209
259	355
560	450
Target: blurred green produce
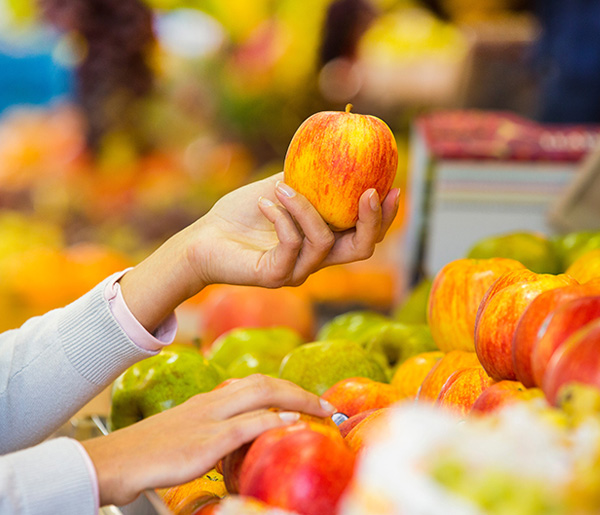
534	250
572	245
413	310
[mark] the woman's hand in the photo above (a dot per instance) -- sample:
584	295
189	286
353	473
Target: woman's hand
262	234
185	442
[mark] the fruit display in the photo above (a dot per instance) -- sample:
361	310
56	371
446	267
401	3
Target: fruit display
474	392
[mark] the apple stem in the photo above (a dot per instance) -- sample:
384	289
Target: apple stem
349	107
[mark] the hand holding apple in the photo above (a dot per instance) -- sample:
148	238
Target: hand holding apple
277	241
335	157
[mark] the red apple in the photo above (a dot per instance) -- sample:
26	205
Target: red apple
231	466
348	425
440	372
298	469
355	394
499	313
409	376
528	328
462	389
334	157
455	295
227	307
559	325
501	394
576	361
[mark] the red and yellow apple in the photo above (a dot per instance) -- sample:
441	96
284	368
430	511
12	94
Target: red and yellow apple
576	361
298	468
499	313
528	328
456	293
440	372
561	324
355	394
194	493
334	157
348	425
411	373
462	389
503	393
363	432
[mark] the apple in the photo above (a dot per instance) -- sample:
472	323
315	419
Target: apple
227	307
413	308
334	157
527	332
317	366
347	426
440	372
503	393
576	361
462	389
159	383
298	468
194	493
231	466
559	325
586	267
352	395
499	313
572	245
534	250
366	430
456	293
409	375
244	351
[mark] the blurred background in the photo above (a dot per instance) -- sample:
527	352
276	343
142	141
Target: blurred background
122	121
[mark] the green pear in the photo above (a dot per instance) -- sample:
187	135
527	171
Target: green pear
244	351
533	250
319	365
358	326
159	383
413	310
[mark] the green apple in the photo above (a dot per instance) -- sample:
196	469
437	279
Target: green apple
358	326
413	310
244	351
533	250
395	342
319	365
159	383
572	245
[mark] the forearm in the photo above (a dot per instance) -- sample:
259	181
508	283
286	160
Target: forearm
165	279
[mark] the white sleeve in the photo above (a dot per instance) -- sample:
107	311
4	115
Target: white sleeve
52	477
54	364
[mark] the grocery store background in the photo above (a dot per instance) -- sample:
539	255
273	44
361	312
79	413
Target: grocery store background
122	121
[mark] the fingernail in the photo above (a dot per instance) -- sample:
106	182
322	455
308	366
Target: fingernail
265	202
374	200
327	406
397	201
284	189
289	416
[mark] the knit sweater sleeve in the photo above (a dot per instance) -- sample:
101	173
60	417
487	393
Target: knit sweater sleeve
52	365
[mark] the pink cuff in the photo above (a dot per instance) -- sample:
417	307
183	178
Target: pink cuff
92	472
164	334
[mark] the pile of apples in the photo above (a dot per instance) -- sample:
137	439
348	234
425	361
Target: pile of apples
504	337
